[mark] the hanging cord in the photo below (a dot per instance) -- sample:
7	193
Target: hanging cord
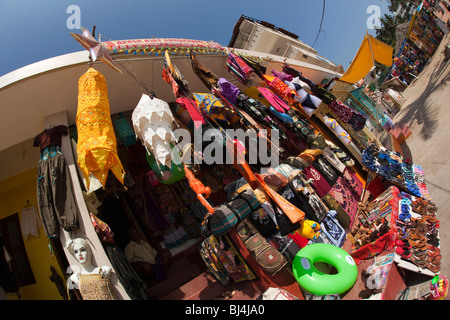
132	74
320	27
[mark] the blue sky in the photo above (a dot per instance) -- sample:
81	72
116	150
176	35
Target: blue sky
32	30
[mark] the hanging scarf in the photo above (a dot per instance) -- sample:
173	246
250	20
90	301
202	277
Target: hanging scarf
97	146
193	110
173	76
208	78
237	67
280	89
274	100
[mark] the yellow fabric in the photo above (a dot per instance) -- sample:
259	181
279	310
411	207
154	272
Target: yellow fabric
254	93
364	61
97	146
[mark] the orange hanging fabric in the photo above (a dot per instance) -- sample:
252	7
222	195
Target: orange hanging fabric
292	212
97	146
255	180
198	187
280	88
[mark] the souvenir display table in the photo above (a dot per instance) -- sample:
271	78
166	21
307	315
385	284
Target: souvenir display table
258	228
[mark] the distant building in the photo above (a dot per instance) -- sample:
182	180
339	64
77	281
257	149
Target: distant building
261	36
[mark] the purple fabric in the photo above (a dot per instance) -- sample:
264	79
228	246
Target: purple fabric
229	90
282	76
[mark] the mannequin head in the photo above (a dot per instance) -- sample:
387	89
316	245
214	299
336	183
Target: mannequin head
80	249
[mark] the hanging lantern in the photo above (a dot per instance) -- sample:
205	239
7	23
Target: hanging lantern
97	146
152	122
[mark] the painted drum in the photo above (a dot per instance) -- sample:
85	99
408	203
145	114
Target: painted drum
317	282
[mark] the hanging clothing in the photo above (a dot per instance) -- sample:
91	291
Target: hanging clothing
320	185
97	145
130	280
7	280
259	69
192	109
30	222
237	67
208	78
229	90
280	89
281	75
338	130
173	76
274	100
352	183
326	170
212	108
55	192
332	159
345	198
50	137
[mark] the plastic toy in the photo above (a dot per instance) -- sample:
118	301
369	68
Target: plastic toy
439	287
309	229
317	282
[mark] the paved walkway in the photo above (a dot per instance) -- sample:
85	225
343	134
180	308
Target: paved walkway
427	113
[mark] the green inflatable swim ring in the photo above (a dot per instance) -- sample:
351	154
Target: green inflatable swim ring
177	170
317	282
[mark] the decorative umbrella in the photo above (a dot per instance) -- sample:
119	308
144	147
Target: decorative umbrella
152	122
97	146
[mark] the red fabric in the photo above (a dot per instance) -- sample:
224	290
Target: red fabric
299	240
193	110
370	250
376	187
280	88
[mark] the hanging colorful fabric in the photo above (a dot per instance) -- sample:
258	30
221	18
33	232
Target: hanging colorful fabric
208	78
280	88
96	148
237	67
173	76
278	104
212	108
192	109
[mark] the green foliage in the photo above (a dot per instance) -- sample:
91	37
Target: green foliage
389	22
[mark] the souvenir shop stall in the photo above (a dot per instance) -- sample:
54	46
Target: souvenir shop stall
398	227
174	213
423	38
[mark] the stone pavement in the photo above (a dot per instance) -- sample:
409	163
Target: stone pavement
427	113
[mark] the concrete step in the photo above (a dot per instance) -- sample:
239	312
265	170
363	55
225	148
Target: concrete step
174	281
202	287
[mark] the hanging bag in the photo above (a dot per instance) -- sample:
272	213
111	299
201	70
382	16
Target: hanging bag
267	257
